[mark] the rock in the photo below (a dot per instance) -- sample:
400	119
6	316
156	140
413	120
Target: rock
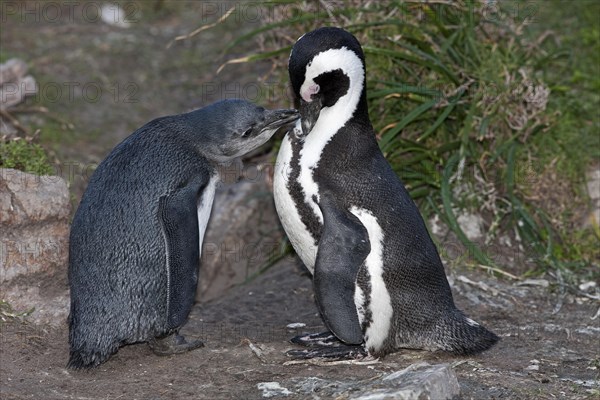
272	389
243	235
472	225
534	365
48	306
12	70
113	14
593	187
419	381
14	85
7	130
438	228
34	237
34	226
587	286
32	198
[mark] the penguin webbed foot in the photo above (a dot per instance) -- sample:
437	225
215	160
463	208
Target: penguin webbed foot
325	345
173	344
341	352
322	339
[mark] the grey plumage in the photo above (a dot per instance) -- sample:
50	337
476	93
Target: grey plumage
134	242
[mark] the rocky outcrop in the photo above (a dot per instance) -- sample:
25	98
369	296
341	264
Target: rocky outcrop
34	233
419	381
34	226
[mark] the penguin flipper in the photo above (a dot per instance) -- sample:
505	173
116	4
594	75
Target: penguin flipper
343	247
179	220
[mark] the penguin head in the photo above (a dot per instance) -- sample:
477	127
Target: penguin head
327	69
231	128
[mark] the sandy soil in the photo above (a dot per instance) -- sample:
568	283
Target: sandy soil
541	355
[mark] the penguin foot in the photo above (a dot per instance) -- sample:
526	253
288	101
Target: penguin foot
340	352
323	339
325	345
173	344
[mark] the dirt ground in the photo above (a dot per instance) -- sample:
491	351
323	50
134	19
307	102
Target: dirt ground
541	355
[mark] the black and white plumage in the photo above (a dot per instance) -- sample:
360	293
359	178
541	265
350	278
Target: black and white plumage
136	237
378	278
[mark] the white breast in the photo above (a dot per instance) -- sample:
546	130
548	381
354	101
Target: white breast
330	121
204	206
299	236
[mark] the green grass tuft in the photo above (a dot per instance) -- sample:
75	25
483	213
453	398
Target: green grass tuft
478	106
25	156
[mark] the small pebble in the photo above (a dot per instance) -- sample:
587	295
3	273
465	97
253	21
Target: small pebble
585	286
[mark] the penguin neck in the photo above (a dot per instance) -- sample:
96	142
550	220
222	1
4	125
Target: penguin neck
350	109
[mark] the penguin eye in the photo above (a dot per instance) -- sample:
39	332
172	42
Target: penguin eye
247	133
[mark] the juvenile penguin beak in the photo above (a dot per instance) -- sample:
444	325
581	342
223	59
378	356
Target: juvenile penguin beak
309	113
275	119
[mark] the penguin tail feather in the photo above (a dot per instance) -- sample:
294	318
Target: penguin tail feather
461	335
82	360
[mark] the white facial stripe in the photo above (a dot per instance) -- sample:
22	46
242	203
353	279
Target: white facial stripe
331	119
330	60
381	303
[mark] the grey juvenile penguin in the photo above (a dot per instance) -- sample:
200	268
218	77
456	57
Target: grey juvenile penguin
136	237
378	279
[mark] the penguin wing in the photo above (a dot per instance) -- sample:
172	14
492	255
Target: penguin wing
179	219
343	247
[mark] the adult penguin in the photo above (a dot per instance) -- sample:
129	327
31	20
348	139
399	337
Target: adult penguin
136	237
378	279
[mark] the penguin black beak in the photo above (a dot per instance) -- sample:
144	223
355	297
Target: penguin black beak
309	113
275	119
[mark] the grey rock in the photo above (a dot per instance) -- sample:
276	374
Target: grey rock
472	225
14	85
12	70
593	187
243	235
113	14
42	306
416	382
34	234
34	227
437	227
593	183
419	381
272	389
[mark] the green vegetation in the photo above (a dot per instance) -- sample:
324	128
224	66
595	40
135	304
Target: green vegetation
25	156
478	108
